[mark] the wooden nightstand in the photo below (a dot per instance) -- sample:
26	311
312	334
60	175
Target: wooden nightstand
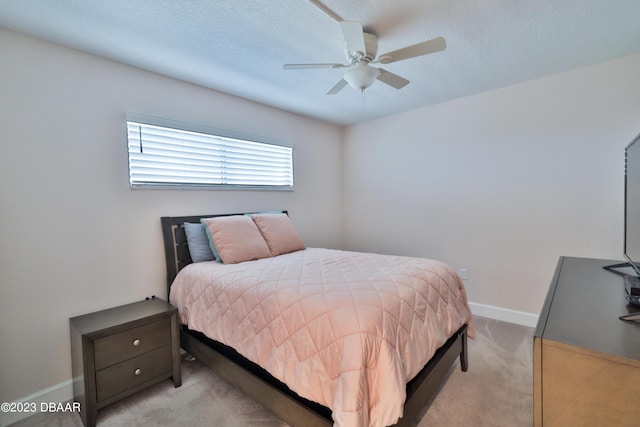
122	350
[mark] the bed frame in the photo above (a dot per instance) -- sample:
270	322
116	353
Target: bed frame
270	392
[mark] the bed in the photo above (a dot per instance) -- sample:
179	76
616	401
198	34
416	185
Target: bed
368	400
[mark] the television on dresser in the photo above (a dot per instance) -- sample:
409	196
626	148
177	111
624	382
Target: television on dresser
630	270
632	204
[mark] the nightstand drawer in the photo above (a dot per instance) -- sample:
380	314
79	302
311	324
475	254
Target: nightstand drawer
133	372
131	343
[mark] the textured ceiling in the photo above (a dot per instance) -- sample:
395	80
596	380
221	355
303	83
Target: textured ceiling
239	46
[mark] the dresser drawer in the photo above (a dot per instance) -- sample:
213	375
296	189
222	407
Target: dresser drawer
131	343
132	372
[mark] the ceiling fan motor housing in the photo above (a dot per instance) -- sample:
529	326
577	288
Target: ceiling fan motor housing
371	47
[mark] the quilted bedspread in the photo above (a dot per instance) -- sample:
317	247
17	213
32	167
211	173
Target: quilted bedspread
344	329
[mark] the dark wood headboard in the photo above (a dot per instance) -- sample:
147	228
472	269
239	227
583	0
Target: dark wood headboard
176	250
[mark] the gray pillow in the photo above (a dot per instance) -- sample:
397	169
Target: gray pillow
198	242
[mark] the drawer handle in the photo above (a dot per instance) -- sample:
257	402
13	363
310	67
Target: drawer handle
137	371
136	343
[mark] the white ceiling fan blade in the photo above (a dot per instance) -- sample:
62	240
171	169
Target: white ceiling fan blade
354	36
303	66
392	79
338	87
424	48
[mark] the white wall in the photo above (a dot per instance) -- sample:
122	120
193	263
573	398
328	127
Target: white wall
74	237
501	183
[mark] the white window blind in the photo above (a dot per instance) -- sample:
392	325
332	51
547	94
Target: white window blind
161	156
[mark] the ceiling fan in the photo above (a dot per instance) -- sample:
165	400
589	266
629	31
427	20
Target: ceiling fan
361	49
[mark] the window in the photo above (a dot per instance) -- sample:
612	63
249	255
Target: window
168	154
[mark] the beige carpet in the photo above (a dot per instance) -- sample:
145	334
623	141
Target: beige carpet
496	391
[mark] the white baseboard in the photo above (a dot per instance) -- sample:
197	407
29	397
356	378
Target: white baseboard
59	393
504	314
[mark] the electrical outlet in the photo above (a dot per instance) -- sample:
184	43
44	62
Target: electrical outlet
463	273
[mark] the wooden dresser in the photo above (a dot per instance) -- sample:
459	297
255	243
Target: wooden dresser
586	360
122	350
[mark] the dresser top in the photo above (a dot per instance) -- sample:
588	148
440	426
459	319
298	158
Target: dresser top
121	316
583	306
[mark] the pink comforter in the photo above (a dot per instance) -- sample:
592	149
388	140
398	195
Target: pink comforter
344	329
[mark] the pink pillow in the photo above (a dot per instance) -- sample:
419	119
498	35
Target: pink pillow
236	238
279	232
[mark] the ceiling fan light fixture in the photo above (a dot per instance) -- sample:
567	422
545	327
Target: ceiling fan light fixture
361	76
